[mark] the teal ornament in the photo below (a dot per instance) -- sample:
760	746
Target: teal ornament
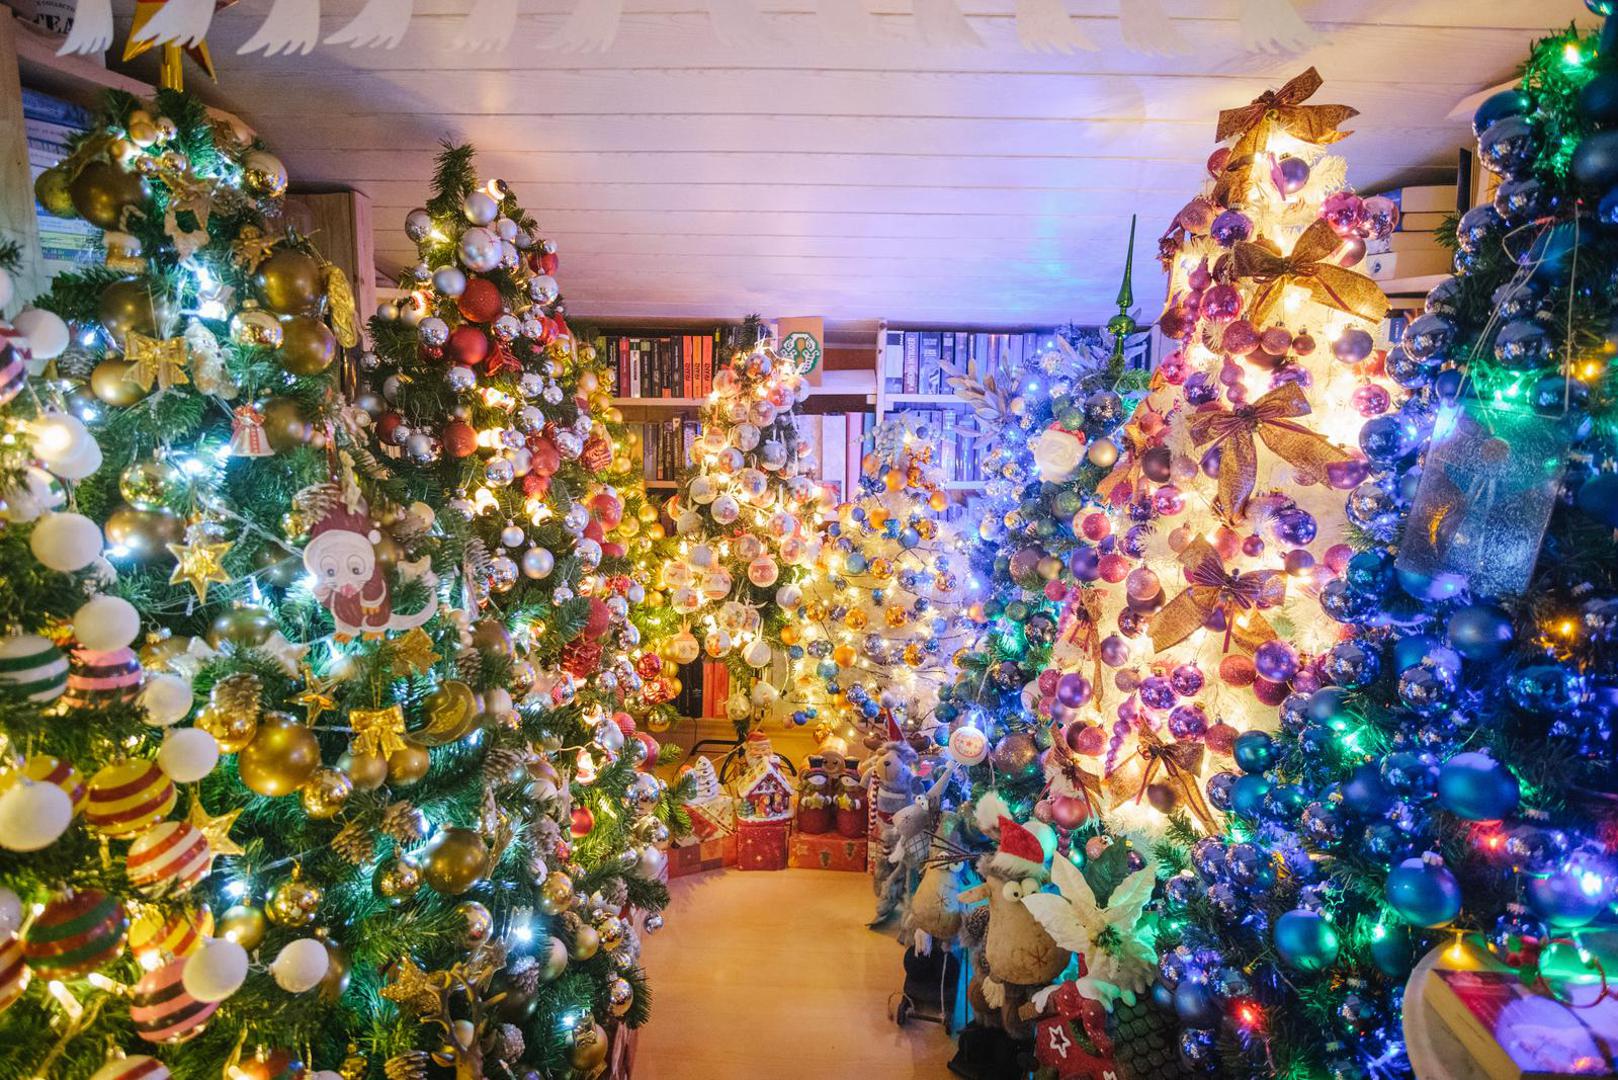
1573	894
1254	751
1424	892
1329	708
1499	106
1598	101
1410	651
1390	950
1306	941
1476	787
1595	162
1480	632
1247	795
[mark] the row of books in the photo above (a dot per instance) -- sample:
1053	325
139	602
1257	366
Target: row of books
704	687
918	361
1412	249
666	447
664	365
838	441
50	125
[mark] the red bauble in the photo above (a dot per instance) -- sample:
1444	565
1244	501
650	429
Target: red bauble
600	618
548	262
544	459
460	438
1220	738
480	302
387	425
649	664
609	509
583	821
594	531
467	345
1268	692
535	485
611	549
625	722
1237	670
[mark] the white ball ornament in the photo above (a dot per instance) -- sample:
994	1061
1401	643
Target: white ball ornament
700	555
758	653
216	970
10	911
33	815
538	562
166	698
542	288
449	280
104	623
479	249
788	597
507	229
480	208
58	437
65	541
725	509
47	334
418	223
763	572
300	965
765	694
80	465
188	754
35	492
688	522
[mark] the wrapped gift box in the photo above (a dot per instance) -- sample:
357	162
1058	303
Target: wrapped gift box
712	854
761	845
811	851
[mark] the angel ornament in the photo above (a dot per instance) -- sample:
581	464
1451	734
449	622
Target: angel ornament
1120	954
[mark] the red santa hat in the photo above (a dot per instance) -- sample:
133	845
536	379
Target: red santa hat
895	733
1024	849
341	519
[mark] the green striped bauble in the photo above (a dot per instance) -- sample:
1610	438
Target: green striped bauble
33	665
75	934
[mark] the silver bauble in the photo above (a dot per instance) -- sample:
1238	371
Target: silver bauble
530	384
421	271
480	208
502	573
434	332
449	280
387	311
543	288
532	328
460	378
499	472
479	249
553	394
370	402
422	448
390	388
547	247
512	535
576	519
418	223
530	419
509	256
506	327
588	552
527	238
538	563
569	445
369	361
506	229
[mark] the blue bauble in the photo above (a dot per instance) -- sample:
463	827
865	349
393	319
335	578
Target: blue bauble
1595	162
1567	899
1408	371
1430	586
1329	707
1517	299
1423	892
1428	337
1551	249
1219	789
1478	227
1598	497
1413	649
1306	941
1444	298
1387	438
1598	101
1542	688
1476	787
1162	996
1390	950
1428	689
1369	572
1343	603
1509	146
1450	384
1497	107
1522	200
1411	772
1556	395
1374	507
1199	1048
1607	208
1480	632
1285	802
1254	751
1364	792
1247	795
1196	1005
1522	345
1353	664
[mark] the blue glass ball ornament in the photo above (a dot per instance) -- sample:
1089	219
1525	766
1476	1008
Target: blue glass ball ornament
1374	507
1208	856
1517	201
1517	299
1306	940
1230	982
1549	253
1448	385
1522	345
1434	587
1227	902
1247	795
1601	7
1556	395
1329	707
1390	949
856	563
1515	936
1196	1005
1358	1014
1254	751
1480	631
1598	101
1219	788
1497	107
1162	997
1428	337
1595	162
1412	649
1542	688
1322	823
1423	892
1364	792
1607	208
1369	571
1444	299
1477	228
1408	371
1315	740
1285	802
1573	894
1386	439
1352	664
1182	889
1508	147
1411	772
1243	862
1598	497
1536	850
1428	689
1294	713
1474	786
1383	840
1343	604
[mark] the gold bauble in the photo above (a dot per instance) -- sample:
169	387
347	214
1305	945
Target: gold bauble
281	758
244	925
263	175
556	895
589	1050
149	485
491	635
408	764
50	190
142	132
1103	453
367	772
246	626
130	307
102	192
455	861
111	383
144	534
586	942
293	903
156	651
307	345
397	880
552	959
289	282
285	426
647	513
388	552
338	967
232	730
620	996
479	923
451	710
611	930
252	325
326	793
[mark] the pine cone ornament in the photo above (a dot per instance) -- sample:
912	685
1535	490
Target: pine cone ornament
469	666
500	763
354	843
410	1065
524	973
237	694
508	1043
316	501
404	822
581	657
615	893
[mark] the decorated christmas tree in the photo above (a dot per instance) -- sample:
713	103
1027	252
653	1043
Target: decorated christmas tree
1448	783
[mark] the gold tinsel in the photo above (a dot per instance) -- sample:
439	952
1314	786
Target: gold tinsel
354	843
354	1066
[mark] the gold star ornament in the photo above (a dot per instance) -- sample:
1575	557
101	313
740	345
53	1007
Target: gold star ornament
215	829
316	697
199	565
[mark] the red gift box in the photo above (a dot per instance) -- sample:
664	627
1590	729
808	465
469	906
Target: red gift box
812	851
761	845
712	854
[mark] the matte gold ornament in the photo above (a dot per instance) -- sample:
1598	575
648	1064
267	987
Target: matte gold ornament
556	895
367	772
288	282
408	764
326	793
263	174
243	924
198	565
284	424
491	635
450	711
589	1050
144	534
102	192
338	969
585	943
307	345
281	757
253	326
479	923
150	485
455	860
294	902
245	626
398	880
111	384
552	960
128	307
51	191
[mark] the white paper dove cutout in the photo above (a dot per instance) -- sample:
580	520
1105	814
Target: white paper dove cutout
845	22
92	29
292	26
488	26
177	22
1146	28
738	23
1122	965
941	25
592	26
379	22
1274	26
1045	26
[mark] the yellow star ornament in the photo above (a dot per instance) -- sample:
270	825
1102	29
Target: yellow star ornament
215	829
198	566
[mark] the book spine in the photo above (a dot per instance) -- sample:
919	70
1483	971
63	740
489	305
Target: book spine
893	362
933	379
912	368
688	382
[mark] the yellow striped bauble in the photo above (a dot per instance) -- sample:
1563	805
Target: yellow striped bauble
157	935
128	796
45	769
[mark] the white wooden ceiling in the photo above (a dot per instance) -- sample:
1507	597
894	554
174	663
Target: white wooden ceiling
683	177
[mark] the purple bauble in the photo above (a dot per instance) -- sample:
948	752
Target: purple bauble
1346	475
1240	338
1210	461
1085	563
1294	527
1187	680
1371	399
1073	690
1299	561
1276	340
1133	542
1199	389
1354	346
1381	216
1276	661
1290	175
1344	211
1188	722
1351	252
1253	546
1156	692
1200	277
1230	228
1114	651
1168	500
1221	303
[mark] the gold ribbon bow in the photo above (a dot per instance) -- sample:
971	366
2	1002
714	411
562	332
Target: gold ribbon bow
1212	588
157	361
1180	763
1083	619
1327	283
1284	109
378	732
1270	418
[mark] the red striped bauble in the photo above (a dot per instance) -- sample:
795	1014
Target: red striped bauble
75	934
168	858
14	971
128	796
163	1012
158	935
97	679
45	769
134	1067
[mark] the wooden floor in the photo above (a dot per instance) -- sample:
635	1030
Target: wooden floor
774	976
